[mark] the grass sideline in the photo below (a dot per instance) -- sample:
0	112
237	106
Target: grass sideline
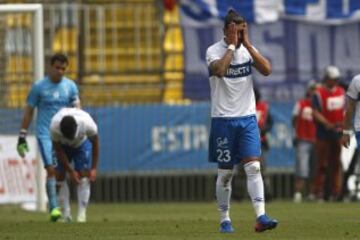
172	221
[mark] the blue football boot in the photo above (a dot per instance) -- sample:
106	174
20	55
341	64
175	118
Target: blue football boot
264	223
226	227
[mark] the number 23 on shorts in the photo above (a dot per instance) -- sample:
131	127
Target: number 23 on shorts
223	155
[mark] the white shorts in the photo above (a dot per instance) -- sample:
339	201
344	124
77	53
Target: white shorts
304	152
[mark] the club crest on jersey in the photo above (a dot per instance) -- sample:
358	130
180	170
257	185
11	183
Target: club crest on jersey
222	142
239	70
56	95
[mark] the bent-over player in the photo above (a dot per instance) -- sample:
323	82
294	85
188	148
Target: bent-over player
75	139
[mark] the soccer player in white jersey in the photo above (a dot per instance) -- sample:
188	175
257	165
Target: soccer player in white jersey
234	133
75	139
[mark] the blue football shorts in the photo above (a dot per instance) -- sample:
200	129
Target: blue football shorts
81	156
233	139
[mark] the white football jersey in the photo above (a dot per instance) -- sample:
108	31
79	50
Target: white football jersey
86	127
233	94
354	93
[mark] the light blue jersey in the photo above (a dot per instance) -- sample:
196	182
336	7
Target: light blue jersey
49	98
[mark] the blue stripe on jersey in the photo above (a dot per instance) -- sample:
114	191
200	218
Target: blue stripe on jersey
239	70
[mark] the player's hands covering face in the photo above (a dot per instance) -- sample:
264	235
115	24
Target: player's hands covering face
231	34
244	35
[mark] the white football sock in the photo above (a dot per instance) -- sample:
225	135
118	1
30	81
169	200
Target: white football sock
64	198
255	187
83	193
223	192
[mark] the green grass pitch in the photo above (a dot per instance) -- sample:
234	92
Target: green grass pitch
172	221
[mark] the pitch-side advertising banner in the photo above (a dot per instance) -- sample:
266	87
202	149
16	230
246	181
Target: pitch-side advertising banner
151	138
17	175
172	138
175	138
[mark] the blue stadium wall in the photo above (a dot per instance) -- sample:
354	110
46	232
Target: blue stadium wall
158	152
174	137
158	137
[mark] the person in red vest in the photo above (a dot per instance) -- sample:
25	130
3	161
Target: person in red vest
305	131
265	123
328	110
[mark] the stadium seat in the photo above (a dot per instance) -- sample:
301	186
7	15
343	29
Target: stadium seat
177	76
16	95
65	40
72	71
18	69
121	64
172	17
174	62
128	41
17	63
173	92
122	79
173	40
123	1
18	20
123	51
98	95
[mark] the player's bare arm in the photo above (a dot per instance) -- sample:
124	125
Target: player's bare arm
322	120
95	157
350	108
27	118
219	67
260	62
61	156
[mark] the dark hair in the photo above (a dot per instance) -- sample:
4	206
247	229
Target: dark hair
68	127
59	57
233	16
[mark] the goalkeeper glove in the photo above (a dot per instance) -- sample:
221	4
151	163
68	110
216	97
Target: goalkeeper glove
22	145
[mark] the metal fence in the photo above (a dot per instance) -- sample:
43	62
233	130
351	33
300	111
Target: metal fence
115	51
